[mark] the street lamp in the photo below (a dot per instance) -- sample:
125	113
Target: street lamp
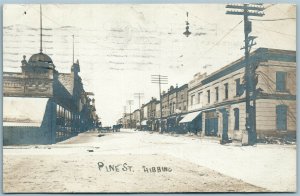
187	32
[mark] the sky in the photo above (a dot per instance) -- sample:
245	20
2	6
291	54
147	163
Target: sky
119	46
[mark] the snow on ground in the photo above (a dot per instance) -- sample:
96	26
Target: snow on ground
269	166
80	173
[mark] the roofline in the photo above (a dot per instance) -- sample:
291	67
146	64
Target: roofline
259	54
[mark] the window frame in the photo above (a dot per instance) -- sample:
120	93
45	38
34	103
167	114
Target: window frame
208	96
217	93
237	87
192	99
281	121
199	97
226	91
281	85
236	119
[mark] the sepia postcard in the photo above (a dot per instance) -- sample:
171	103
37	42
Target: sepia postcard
149	98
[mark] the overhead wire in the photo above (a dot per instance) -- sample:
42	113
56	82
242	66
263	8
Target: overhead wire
277	19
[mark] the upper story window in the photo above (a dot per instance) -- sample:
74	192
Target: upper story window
199	97
192	99
280	81
238	87
217	93
226	90
208	96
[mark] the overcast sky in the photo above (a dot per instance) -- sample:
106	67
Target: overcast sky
120	46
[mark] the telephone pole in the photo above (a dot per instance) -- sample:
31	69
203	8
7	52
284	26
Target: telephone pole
73	48
124	119
130	103
139	96
41	30
159	79
247	10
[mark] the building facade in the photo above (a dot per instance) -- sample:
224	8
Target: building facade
215	104
66	108
174	106
220	96
136	118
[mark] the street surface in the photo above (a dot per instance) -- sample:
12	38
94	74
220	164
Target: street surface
134	161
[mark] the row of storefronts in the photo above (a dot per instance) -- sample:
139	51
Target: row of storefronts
214	105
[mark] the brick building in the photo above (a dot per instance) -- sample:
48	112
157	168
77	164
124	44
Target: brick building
219	98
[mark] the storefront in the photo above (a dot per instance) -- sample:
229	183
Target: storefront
211	123
192	122
144	125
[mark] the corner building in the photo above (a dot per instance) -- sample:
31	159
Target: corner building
43	106
220	96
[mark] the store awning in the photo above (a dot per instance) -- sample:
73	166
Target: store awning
24	111
144	122
190	117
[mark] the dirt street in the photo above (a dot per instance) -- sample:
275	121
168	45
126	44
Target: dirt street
130	161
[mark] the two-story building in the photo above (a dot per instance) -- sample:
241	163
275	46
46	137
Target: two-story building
219	98
149	109
136	119
174	105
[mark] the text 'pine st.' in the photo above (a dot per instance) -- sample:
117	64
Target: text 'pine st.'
125	167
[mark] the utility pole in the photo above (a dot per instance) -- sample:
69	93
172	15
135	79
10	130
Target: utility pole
139	96
41	30
247	10
73	48
124	119
159	79
130	103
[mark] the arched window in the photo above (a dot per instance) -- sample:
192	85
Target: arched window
236	119
281	117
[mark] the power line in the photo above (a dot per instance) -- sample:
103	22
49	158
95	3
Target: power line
266	78
218	42
294	36
277	19
230	30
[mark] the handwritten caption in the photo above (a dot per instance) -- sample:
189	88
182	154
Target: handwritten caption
125	167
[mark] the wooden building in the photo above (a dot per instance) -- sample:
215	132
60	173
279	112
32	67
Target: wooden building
43	106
